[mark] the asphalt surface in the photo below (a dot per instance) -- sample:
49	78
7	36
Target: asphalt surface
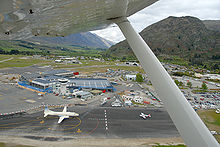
97	122
14	98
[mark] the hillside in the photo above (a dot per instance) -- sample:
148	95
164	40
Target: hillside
212	25
32	48
182	37
84	44
86	39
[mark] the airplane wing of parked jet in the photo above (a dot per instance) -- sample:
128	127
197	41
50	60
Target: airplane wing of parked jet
62	118
20	19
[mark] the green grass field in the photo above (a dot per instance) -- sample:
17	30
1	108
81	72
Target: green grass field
212	120
170	146
12	145
21	61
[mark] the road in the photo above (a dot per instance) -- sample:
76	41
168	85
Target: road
6	59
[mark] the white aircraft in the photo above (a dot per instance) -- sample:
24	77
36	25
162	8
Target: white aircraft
21	19
144	116
64	114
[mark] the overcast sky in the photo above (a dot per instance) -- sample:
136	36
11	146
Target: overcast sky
202	9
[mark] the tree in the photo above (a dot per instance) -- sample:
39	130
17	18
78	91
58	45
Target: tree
139	77
189	84
177	82
204	86
14	52
180	83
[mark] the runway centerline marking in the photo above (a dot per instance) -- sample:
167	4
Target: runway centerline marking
106	122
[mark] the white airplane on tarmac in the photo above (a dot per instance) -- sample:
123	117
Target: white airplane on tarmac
64	114
144	116
22	19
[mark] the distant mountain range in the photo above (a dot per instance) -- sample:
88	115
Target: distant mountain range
187	37
86	39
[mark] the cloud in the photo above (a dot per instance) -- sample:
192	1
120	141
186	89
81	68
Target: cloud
204	10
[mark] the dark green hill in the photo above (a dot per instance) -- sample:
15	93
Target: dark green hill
182	37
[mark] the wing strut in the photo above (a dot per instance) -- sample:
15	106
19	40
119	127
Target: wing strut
191	128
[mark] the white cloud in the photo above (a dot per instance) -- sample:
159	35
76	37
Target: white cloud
205	10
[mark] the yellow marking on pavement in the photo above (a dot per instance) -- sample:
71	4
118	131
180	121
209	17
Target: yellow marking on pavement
71	127
24	98
78	131
42	122
17	123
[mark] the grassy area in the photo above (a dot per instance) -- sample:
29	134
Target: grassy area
3	57
21	61
210	117
136	103
174	60
12	145
90	63
212	120
169	146
209	91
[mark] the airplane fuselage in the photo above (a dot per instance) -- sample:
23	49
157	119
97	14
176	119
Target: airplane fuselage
63	113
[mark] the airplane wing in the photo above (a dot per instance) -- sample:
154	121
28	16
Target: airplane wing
21	19
65	109
61	119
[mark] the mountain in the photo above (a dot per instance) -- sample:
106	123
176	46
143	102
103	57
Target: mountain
86	39
212	24
185	37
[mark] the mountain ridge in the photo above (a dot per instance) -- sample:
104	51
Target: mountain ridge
186	37
86	39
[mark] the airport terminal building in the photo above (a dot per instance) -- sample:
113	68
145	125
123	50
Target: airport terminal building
64	82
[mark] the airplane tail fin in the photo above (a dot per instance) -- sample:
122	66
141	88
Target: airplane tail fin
65	109
46	111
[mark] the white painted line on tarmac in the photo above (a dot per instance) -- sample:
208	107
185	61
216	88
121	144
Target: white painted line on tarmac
106	128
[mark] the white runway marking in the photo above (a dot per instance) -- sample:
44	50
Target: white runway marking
106	122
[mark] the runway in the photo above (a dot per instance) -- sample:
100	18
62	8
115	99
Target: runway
97	122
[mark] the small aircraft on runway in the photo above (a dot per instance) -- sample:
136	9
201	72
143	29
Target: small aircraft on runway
64	114
144	116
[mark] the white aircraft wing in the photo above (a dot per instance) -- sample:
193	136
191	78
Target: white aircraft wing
61	119
20	19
